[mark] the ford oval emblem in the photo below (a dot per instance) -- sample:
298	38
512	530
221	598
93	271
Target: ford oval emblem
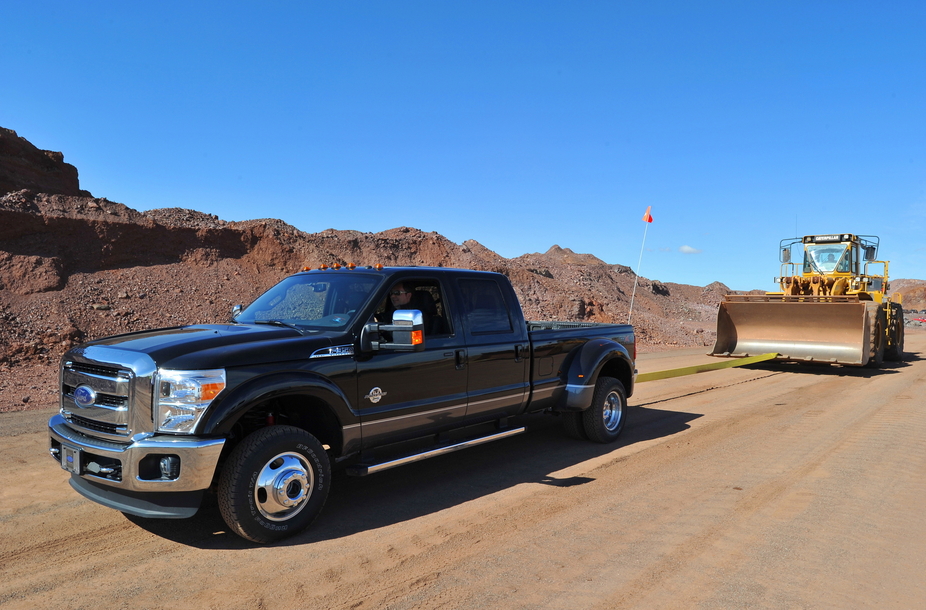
84	396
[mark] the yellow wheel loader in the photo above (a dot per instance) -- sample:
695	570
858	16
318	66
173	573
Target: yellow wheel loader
831	308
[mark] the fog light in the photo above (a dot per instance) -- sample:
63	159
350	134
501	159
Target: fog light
170	467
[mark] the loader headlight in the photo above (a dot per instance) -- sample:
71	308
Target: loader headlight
182	398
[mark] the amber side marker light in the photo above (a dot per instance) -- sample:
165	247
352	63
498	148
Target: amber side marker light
417	337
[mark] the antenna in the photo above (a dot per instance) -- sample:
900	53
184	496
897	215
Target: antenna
647	218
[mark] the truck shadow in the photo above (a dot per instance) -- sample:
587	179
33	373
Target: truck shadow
358	504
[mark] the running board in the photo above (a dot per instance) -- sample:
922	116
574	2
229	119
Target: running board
359	470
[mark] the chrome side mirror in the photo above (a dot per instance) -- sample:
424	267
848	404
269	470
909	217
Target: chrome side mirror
407	331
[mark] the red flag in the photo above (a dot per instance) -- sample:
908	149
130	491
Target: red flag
648	217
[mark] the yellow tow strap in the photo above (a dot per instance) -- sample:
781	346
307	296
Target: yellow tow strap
700	368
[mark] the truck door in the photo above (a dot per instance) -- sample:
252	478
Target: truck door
497	351
403	395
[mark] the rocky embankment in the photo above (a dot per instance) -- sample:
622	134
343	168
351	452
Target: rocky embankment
74	267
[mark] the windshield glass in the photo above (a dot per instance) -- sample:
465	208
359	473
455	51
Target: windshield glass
826	258
316	301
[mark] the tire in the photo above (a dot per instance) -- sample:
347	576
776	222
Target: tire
274	484
573	425
877	338
896	332
604	419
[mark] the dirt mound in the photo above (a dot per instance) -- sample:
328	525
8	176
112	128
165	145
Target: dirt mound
23	166
74	267
913	293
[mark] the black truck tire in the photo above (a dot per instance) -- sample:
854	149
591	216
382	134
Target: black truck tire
604	419
274	484
573	425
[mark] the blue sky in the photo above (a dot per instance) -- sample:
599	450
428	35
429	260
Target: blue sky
517	124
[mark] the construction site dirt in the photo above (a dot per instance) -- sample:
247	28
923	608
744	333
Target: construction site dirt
770	486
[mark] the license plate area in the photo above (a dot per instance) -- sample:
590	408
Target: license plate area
71	459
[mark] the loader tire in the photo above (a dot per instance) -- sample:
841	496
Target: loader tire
877	338
894	351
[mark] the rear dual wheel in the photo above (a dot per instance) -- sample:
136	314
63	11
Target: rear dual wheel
603	421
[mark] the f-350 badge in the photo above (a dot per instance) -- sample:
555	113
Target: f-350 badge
375	395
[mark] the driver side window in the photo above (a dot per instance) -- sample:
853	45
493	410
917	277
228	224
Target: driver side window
424	295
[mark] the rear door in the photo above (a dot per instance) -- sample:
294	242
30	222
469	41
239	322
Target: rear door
497	350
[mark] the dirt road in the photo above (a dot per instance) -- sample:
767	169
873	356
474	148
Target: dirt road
769	487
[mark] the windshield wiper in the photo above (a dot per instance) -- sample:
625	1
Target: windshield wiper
280	323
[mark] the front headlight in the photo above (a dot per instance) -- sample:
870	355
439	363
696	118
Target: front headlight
182	398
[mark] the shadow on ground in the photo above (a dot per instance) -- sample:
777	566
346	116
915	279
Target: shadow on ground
357	504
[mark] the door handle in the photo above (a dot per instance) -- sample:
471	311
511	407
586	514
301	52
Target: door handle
519	352
460	358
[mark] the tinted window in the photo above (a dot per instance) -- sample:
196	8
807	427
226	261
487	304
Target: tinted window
486	311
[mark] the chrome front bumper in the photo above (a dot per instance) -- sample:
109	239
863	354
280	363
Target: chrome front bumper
132	467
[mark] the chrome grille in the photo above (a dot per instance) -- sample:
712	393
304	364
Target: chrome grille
122	386
112	388
89	424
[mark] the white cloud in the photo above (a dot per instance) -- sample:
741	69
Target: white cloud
689	250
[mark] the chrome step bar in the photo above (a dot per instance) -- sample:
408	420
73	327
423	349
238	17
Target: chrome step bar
359	470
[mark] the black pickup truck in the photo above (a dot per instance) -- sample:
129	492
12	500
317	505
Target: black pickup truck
335	367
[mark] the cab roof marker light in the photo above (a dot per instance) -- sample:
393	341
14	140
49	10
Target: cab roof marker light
323	267
351	266
336	266
378	266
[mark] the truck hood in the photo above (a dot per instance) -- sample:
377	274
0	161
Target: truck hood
209	346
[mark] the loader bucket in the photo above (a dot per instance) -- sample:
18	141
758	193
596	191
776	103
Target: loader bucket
803	329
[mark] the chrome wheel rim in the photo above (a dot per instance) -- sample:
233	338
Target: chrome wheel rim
613	411
284	486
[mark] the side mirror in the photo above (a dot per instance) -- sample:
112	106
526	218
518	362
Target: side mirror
786	254
871	253
407	331
236	309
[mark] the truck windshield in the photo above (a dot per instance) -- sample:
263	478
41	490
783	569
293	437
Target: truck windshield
826	258
312	301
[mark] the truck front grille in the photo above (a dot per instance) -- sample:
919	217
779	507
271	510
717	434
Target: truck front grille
110	388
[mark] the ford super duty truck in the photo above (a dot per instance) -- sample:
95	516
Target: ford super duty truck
340	367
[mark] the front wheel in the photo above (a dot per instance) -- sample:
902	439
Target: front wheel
274	484
604	419
877	338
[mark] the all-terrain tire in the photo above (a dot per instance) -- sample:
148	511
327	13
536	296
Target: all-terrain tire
604	419
274	484
573	425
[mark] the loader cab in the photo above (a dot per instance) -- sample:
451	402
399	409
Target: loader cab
837	254
830	258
